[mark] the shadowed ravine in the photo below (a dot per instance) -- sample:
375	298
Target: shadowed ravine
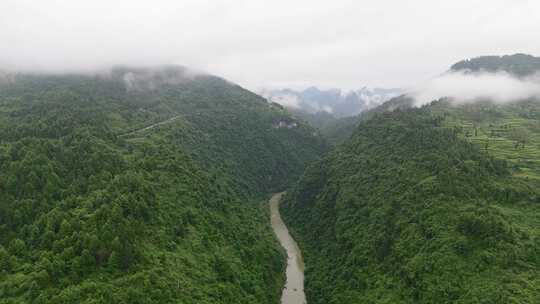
293	292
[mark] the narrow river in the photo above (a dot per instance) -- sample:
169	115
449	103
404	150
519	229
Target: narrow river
293	292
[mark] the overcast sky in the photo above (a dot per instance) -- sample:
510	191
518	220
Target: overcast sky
347	44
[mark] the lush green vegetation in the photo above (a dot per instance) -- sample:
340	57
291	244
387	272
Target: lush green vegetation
141	186
508	131
412	209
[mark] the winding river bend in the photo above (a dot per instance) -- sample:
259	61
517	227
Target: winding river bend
293	292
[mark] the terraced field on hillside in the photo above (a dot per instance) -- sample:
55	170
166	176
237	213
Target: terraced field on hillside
510	131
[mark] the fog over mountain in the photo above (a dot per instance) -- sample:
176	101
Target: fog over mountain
260	43
499	79
339	103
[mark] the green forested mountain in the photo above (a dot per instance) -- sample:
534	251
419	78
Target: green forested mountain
439	204
517	64
141	186
409	211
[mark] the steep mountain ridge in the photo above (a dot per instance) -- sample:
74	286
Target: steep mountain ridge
407	212
140	185
438	204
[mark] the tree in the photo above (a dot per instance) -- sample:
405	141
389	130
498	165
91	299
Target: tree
87	259
16	247
114	261
5	259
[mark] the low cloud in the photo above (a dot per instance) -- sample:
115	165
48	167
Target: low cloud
257	43
149	79
465	87
286	100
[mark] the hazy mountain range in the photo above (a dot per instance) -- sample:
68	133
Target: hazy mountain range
339	103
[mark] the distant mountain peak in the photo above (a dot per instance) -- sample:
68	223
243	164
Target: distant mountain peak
338	102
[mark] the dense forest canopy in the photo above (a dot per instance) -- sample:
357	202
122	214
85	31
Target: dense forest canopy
141	185
438	204
409	211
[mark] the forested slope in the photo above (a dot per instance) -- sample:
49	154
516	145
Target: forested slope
520	65
409	211
98	208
